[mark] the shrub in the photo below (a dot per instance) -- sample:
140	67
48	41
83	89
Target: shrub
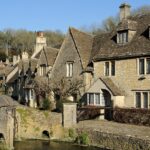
46	104
72	133
83	138
132	116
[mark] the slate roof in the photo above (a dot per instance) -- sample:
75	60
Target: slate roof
6	101
24	65
48	56
83	43
112	87
6	70
105	46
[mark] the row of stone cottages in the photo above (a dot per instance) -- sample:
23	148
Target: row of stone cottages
115	67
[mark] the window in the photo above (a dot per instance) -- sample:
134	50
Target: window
110	68
106	68
122	37
95	99
69	68
42	70
113	68
142	100
144	66
141	66
145	99
91	99
138	100
148	65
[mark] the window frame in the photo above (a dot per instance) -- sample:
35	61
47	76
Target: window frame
146	66
69	69
96	102
122	37
43	70
142	101
111	68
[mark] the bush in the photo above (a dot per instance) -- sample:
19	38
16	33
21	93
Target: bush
46	104
72	133
83	139
132	116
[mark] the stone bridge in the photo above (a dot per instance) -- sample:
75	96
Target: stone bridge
7	117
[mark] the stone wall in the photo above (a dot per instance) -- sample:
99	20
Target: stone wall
126	78
31	123
7	125
114	141
69	114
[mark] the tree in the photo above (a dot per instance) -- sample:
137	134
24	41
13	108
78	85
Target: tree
141	10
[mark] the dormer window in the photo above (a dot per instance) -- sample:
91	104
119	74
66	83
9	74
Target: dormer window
122	37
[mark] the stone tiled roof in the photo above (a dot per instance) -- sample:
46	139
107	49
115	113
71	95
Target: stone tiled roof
106	47
6	101
13	78
6	70
33	64
83	43
112	87
48	56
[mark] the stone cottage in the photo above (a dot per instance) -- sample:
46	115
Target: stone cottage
26	70
121	64
114	67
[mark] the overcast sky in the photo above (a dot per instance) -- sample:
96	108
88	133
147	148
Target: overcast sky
59	14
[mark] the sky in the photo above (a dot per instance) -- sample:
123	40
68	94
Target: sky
37	15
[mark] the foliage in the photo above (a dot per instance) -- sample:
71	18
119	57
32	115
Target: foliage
72	133
141	10
3	56
83	138
64	87
132	116
17	41
86	113
46	104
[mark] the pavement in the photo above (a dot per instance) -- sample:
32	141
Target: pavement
141	132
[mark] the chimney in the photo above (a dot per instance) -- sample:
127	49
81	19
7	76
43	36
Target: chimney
40	34
124	11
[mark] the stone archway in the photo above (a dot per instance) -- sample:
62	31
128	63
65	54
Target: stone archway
108	104
107	98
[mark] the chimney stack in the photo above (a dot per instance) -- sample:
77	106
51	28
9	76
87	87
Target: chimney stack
124	11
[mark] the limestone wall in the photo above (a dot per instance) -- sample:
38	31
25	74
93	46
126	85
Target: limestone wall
126	78
32	123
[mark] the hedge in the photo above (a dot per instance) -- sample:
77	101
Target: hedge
132	116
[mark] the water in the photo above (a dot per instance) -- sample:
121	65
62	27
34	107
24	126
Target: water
46	145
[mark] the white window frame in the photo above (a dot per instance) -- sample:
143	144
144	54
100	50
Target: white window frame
122	37
142	99
101	99
69	69
145	66
110	68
